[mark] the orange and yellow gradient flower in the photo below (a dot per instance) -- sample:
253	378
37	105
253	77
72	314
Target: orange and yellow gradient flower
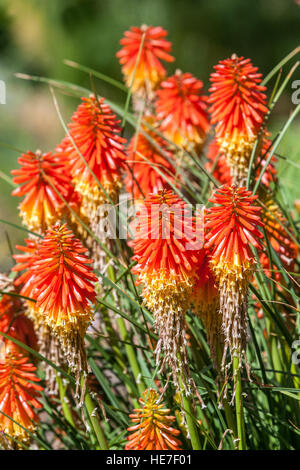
19	393
39	175
165	248
48	344
231	229
181	108
151	164
152	429
145	74
96	133
238	108
62	283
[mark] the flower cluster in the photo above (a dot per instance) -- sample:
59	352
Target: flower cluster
193	267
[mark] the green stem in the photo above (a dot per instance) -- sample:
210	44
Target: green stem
239	404
190	421
229	417
94	418
130	352
190	416
226	406
64	400
131	357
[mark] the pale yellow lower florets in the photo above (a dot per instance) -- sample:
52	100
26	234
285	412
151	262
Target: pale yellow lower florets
237	149
233	280
167	295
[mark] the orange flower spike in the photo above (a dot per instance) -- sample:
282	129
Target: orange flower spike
238	108
165	249
182	109
158	247
231	229
95	131
144	159
63	287
19	391
39	172
152	428
149	71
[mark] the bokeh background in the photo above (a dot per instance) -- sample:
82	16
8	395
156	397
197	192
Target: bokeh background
37	35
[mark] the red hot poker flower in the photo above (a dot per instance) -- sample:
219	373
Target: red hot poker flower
238	108
152	428
165	242
149	71
182	109
165	248
231	228
95	132
38	174
48	343
62	281
18	396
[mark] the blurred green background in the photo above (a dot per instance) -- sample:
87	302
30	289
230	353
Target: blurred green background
37	35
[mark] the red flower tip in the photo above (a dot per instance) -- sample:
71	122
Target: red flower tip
165	237
231	226
238	104
150	42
